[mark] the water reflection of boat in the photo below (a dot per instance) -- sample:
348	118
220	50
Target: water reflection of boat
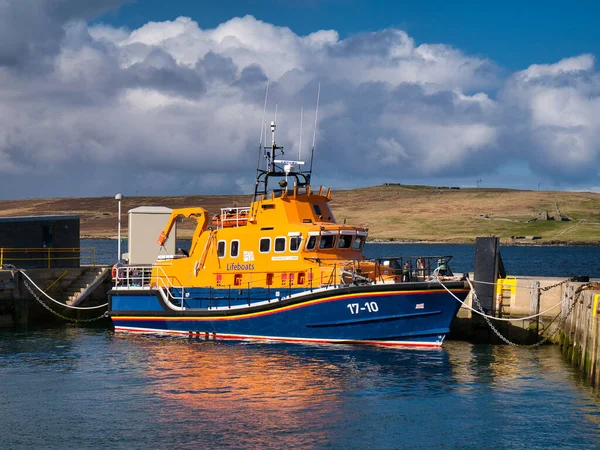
281	377
274	396
284	269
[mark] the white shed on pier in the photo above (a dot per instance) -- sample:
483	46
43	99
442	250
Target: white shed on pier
145	225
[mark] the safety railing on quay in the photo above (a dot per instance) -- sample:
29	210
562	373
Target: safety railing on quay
46	257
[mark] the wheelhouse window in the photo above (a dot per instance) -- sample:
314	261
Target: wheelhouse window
295	242
311	243
280	244
327	241
358	242
345	241
234	249
221	249
265	245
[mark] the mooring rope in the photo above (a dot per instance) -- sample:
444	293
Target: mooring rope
574	297
80	308
522	285
492	317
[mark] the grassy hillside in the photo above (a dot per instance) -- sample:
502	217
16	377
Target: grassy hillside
413	213
448	215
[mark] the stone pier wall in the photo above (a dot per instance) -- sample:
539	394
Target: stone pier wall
579	335
570	316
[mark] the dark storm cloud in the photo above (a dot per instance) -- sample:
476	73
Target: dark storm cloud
160	71
31	30
216	67
376	135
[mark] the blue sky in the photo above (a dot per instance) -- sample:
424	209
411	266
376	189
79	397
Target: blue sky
513	33
154	97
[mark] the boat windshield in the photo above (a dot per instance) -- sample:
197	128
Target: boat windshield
359	241
344	241
327	241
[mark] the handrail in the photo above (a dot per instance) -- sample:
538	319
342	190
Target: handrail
401	268
8	255
232	216
141	276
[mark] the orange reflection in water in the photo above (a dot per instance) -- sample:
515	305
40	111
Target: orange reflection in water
254	393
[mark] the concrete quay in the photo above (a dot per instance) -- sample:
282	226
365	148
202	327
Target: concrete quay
21	303
542	310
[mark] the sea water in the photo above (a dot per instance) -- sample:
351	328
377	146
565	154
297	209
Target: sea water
77	387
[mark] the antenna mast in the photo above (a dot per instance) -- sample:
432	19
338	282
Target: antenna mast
300	146
312	154
262	127
278	168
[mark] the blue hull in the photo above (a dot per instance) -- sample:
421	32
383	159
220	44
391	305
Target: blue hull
413	314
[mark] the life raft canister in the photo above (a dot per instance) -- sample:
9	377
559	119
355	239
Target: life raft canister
230	219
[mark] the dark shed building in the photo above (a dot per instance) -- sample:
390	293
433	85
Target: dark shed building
40	241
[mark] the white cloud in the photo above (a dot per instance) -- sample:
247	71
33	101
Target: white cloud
560	116
171	108
567	66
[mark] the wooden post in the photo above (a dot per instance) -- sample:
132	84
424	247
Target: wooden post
585	328
534	305
596	355
594	341
577	338
570	328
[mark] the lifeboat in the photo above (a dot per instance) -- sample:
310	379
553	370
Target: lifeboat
294	275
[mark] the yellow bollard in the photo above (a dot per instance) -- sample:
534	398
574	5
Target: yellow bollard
595	308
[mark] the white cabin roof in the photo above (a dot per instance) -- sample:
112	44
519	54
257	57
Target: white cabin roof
150	210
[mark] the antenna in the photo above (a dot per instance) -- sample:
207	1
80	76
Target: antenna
300	146
262	128
312	154
264	113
